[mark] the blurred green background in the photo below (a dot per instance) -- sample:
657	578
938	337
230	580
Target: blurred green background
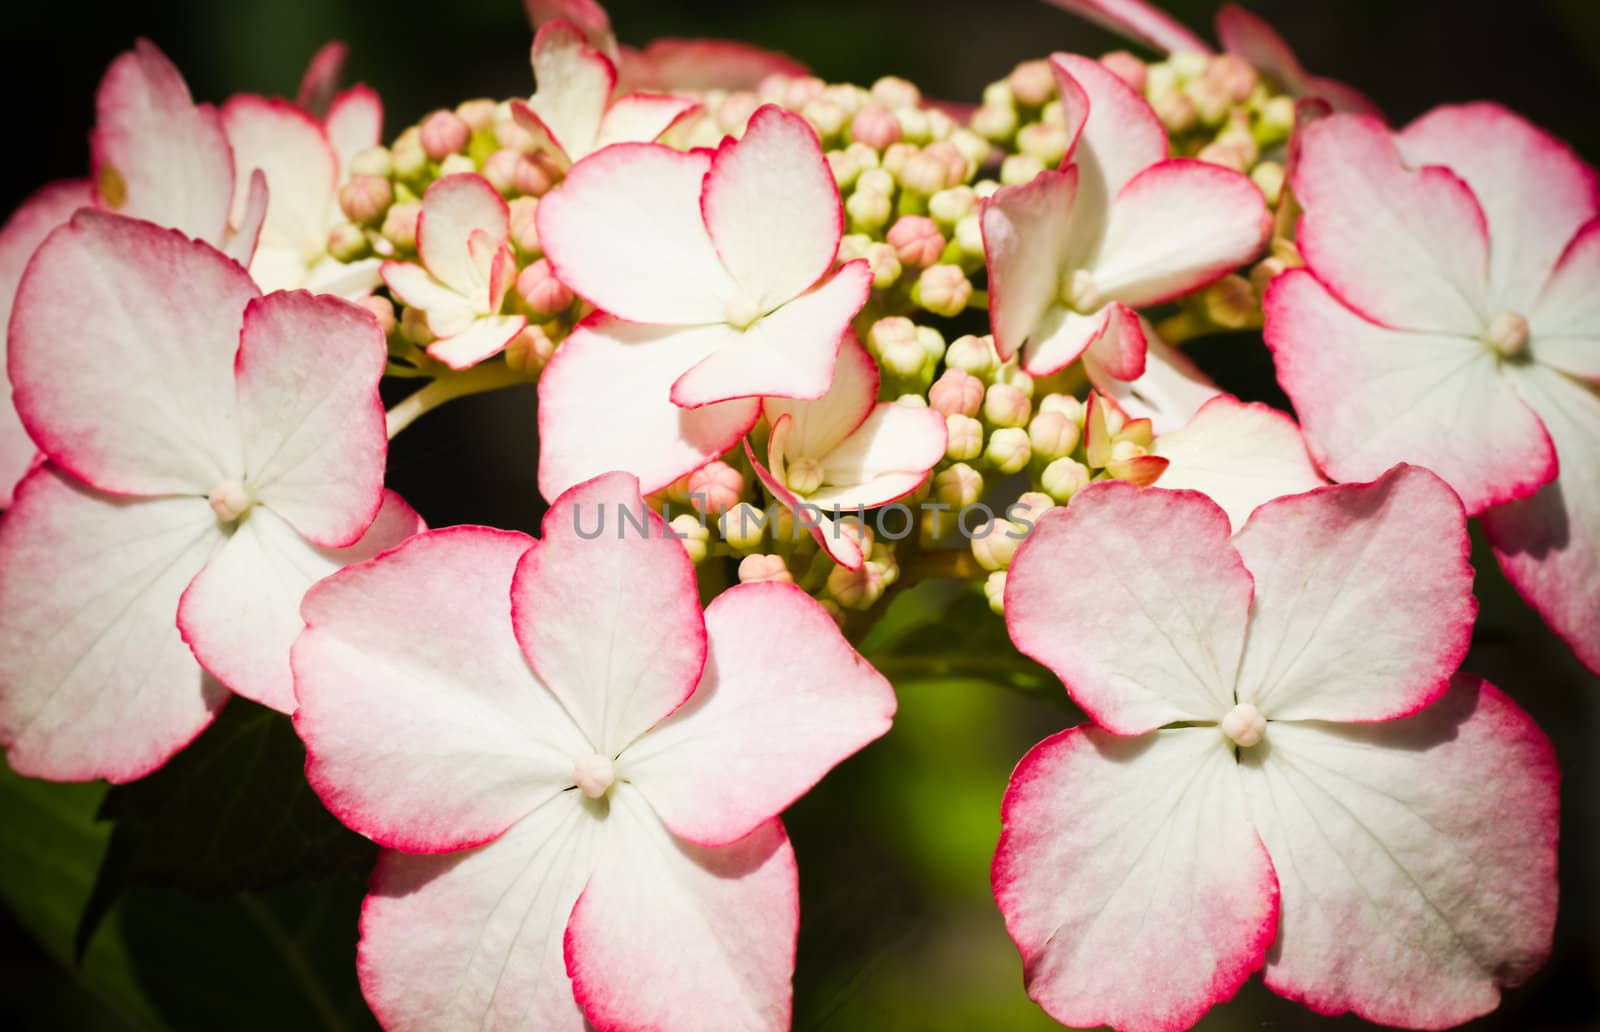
899	930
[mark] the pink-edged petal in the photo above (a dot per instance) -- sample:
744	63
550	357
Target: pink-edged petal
784	698
98	684
1406	247
1364	602
1247	36
816	427
1131	879
241	615
607	611
1063	335
788	354
575	82
321	78
1549	544
641	117
449	312
1534	191
310	415
1177	226
672	936
587	15
156	155
1137	601
1121	135
773	251
354	123
23	232
1370	397
453	209
245	237
1239	455
473	940
1139	21
485	338
842	548
1169	392
624	231
1121	347
289	148
138	399
1416	858
1565	322
608	367
698	65
425	729
351	281
885	457
1026	232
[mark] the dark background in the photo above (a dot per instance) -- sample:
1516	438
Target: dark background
899	932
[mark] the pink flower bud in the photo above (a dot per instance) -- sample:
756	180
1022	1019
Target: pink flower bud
963	437
500	169
1030	505
1032	83
365	199
1064	478
541	291
974	355
958	486
444	133
757	569
957	166
994	590
1005	405
903	356
529	351
524	231
943	290
479	114
923	174
400	225
956	392
1232	77
1128	68
857	589
414	327
1045	142
875	127
1065	404
888	331
801	90
1176	111
1053	435
994	544
994	123
916	240
382	309
692	534
885	264
715	488
346	243
1009	449
733	114
374	161
894	92
407	157
868	209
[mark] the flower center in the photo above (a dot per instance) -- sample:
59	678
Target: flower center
1507	335
595	774
229	500
804	476
1244	725
1079	293
742	312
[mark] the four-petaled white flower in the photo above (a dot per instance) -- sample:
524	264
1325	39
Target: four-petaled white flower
847	451
467	266
1285	774
591	768
200	477
711	273
1448	316
1120	225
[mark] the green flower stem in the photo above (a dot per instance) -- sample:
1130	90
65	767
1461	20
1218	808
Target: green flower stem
488	376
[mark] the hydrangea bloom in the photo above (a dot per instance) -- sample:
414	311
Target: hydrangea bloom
711	273
1120	225
1447	317
200	477
1284	775
577	772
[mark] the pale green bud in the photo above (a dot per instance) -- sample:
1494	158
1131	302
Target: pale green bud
1008	450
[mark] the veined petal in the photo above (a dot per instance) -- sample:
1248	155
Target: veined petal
241	614
139	398
1416	858
772	208
98	684
302	170
1370	397
354	123
473	940
1121	135
1239	455
784	698
607	367
23	232
156	155
677	937
894	440
1131	879
1549	544
641	117
310	415
1565	323
1148	626
1063	335
606	609
1026	231
1364	602
575	83
453	209
1405	247
425	729
1534	191
1169	392
816	427
1177	226
788	354
486	337
624	230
